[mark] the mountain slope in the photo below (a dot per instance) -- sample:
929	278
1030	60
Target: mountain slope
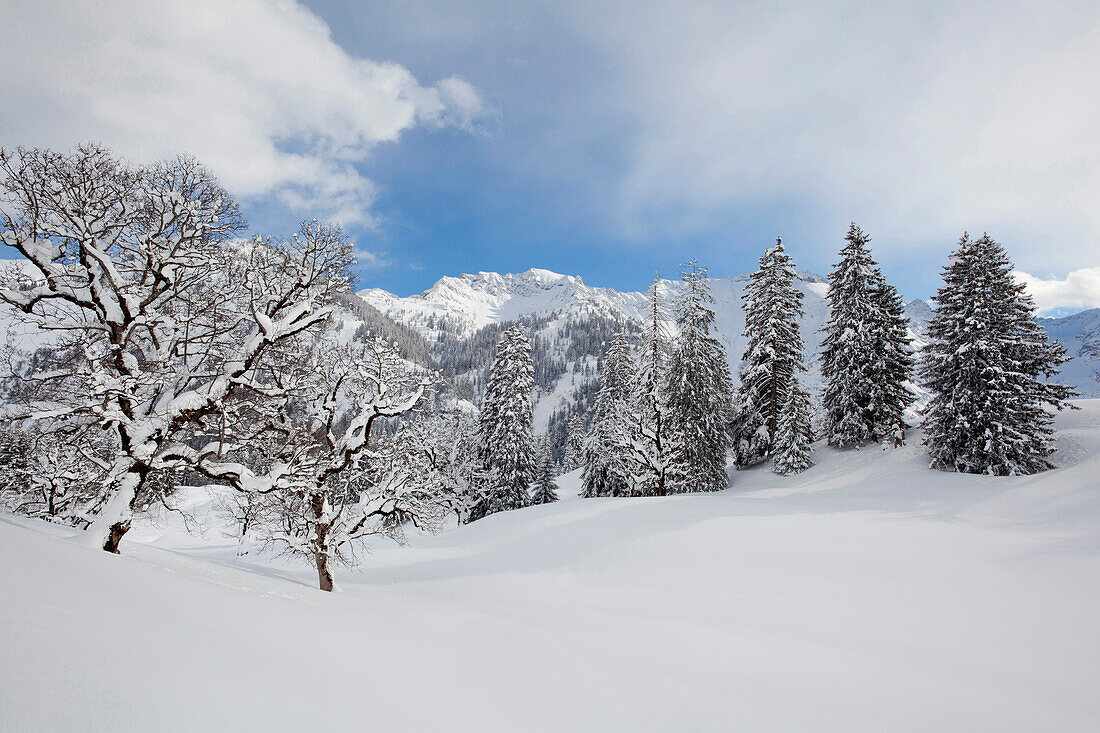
456	308
459	306
572	323
1081	335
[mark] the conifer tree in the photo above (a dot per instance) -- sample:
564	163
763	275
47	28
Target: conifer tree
865	359
574	443
602	458
793	435
507	438
987	365
546	489
650	451
772	358
699	390
891	395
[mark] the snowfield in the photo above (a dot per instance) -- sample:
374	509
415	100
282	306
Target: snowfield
868	593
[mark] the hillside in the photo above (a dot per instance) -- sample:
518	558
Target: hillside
457	307
1080	333
868	593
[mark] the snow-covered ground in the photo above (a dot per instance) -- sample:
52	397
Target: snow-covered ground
868	593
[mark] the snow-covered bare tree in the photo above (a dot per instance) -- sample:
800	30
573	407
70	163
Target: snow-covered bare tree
53	470
649	451
334	483
772	358
164	316
507	436
866	359
988	366
603	460
546	488
699	390
447	440
793	434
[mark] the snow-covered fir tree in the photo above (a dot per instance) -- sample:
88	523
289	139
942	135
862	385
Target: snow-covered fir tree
650	451
891	395
574	443
987	365
56	471
699	390
507	438
865	359
772	358
546	488
793	434
603	460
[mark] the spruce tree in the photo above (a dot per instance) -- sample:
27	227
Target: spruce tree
602	457
891	395
650	450
987	366
546	489
699	390
865	358
574	443
793	434
507	439
772	358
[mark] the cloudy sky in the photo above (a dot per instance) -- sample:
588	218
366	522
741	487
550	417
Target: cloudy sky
602	139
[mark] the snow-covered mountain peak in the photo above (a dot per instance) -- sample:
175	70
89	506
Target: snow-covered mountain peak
465	303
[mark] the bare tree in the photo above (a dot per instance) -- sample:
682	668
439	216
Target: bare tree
340	483
161	316
52	472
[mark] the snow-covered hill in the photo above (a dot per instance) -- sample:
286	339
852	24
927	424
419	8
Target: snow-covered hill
868	593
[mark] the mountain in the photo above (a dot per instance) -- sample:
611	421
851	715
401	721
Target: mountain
1081	335
460	306
571	322
561	309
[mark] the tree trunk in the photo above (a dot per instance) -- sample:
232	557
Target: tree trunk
114	535
324	574
320	543
113	521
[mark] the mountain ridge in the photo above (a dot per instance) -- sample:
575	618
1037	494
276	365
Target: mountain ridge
455	308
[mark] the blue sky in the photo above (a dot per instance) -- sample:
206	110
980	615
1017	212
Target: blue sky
607	140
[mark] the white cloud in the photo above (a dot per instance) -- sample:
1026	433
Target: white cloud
919	120
368	260
255	89
1078	291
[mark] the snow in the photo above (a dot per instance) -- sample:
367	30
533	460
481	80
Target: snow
868	593
819	289
546	402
